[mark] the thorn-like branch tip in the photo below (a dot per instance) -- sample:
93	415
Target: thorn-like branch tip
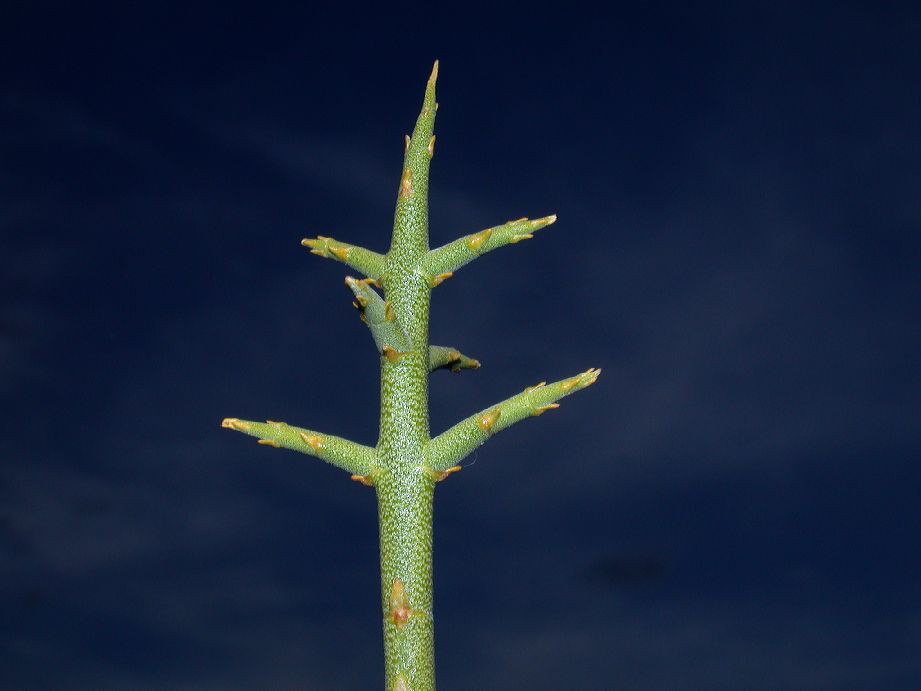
234	424
400	611
391	354
312	440
440	475
366	480
441	278
580	381
590	376
434	76
489	419
477	240
406	184
518	238
540	410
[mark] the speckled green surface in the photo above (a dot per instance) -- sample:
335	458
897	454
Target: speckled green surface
406	463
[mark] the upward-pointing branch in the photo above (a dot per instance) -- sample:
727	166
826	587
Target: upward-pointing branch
449	448
449	258
342	453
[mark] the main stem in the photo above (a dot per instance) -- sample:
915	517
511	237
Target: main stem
406	463
404	487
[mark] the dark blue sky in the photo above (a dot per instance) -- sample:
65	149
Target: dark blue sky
733	506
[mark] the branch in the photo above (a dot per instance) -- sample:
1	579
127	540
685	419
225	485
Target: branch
371	264
449	258
353	458
378	315
452	446
449	358
410	239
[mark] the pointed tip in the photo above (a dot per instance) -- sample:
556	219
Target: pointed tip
391	354
406	184
440	278
540	410
487	420
515	239
314	441
400	611
441	475
366	480
340	253
580	381
477	240
429	105
539	223
234	424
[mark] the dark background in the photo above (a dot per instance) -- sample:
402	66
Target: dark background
733	506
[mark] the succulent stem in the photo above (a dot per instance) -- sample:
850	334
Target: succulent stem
407	463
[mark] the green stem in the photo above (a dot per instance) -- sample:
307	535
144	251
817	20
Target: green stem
407	463
405	487
405	515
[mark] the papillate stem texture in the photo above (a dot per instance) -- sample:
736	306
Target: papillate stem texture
407	462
